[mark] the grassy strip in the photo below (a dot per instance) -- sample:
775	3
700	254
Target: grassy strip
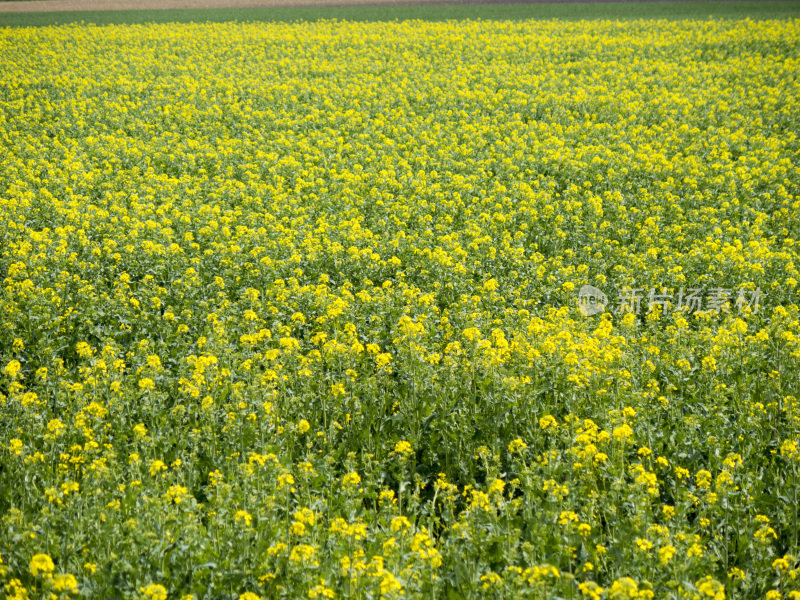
571	11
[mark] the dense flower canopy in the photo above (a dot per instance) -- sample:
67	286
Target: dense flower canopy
291	310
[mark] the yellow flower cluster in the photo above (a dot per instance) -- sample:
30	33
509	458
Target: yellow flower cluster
291	310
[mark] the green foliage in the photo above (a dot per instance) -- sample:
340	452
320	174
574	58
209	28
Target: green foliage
290	310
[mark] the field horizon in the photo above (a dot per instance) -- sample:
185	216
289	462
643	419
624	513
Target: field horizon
18	13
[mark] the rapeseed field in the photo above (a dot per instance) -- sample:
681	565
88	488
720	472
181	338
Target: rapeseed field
472	309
